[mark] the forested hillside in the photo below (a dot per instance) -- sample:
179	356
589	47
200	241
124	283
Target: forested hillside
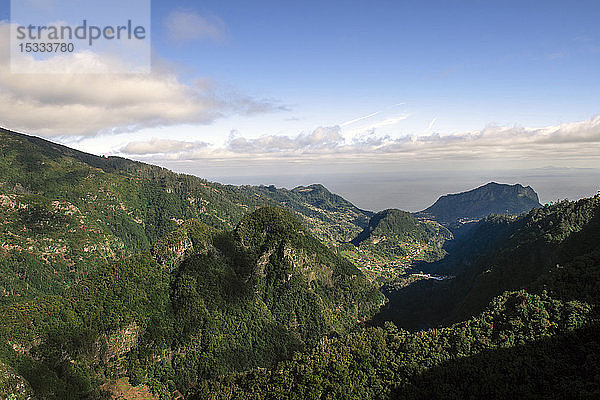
506	253
514	339
140	203
203	303
119	276
393	241
64	211
537	342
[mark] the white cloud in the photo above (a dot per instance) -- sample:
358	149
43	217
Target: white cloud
162	146
188	26
321	139
573	141
73	104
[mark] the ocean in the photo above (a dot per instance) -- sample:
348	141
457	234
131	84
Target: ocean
417	190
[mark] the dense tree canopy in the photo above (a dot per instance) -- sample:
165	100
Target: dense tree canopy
111	268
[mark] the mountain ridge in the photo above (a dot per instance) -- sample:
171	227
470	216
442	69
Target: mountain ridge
31	162
185	286
474	204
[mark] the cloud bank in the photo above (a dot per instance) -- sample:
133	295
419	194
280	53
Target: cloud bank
578	140
162	146
73	104
321	139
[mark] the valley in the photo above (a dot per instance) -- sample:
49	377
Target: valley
276	200
119	278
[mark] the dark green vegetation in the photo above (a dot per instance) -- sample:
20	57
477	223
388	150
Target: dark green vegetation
251	297
507	253
399	226
203	303
529	327
111	268
493	198
390	363
394	240
64	210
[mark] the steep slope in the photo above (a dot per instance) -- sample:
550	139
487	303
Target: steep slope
398	226
329	217
203	303
64	211
553	246
525	344
394	240
539	341
493	198
46	246
34	165
272	281
97	287
540	242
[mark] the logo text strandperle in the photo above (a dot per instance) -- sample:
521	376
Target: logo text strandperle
81	32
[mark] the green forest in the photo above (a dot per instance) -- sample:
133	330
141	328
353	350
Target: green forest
115	270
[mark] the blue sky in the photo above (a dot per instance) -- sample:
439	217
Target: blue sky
248	88
468	63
